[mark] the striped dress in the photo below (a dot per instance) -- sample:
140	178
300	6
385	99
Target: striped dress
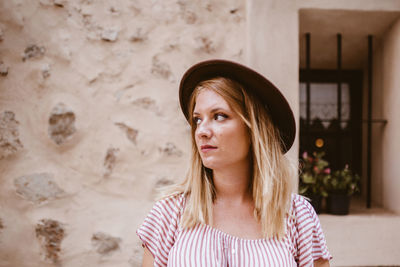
205	246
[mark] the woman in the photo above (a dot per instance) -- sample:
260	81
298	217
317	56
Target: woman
235	207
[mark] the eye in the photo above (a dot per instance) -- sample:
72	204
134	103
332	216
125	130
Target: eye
220	117
196	120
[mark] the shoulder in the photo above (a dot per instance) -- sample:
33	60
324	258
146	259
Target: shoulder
303	217
306	232
170	206
160	227
301	207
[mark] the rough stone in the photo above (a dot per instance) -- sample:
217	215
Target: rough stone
50	234
9	135
160	69
171	150
113	10
146	103
138	36
3	69
131	133
163	182
105	243
109	34
204	44
109	161
46	71
187	15
61	124
59	3
1	224
38	187
1	35
33	51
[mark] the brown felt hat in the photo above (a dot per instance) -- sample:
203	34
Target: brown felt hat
253	82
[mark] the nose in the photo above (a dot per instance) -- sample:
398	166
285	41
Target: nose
203	130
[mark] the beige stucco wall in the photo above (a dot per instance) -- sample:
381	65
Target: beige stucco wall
385	99
80	176
273	49
390	110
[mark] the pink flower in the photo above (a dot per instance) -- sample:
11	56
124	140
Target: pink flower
327	170
316	170
305	155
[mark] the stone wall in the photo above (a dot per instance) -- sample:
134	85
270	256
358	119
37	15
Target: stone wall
90	123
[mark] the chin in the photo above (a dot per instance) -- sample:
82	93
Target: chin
209	164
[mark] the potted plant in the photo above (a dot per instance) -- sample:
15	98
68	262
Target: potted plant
313	176
341	186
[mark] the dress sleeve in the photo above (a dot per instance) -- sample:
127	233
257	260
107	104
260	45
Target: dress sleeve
310	240
158	230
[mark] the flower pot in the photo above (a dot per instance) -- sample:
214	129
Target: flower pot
338	204
316	203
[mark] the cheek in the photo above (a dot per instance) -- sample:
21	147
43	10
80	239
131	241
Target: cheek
237	140
244	142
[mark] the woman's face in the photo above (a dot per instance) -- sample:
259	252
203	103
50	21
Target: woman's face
221	136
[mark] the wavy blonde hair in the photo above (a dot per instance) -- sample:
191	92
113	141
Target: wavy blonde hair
271	184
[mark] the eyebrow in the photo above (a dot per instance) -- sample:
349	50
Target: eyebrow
212	111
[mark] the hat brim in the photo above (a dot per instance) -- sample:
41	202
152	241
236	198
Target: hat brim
253	82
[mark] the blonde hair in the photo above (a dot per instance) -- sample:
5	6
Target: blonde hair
271	183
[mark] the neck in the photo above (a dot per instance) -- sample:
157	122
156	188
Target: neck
232	183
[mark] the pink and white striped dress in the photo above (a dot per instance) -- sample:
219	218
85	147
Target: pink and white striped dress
205	246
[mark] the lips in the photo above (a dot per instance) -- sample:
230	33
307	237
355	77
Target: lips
206	148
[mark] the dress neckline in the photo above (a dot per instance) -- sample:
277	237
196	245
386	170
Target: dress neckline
235	237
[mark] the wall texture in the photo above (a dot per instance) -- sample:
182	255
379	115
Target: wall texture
273	49
90	123
391	133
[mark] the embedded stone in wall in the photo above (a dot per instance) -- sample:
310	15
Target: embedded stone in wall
146	103
163	182
61	124
187	15
114	10
105	243
59	3
171	150
3	69
46	71
138	36
33	51
109	34
1	35
38	187
109	161
1	224
204	44
50	234
236	13
9	135
131	133
160	69
159	186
